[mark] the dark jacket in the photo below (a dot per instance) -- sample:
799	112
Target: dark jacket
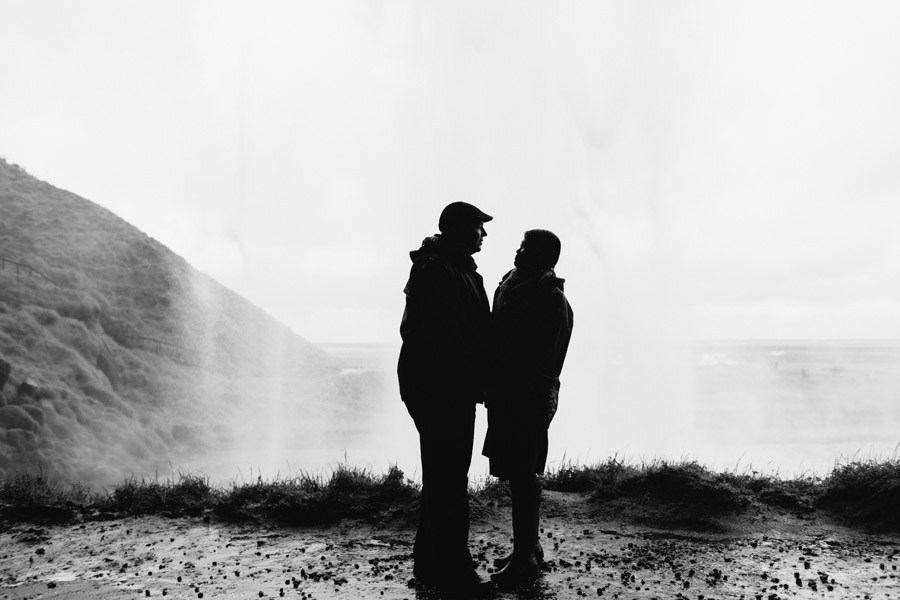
531	327
532	324
444	329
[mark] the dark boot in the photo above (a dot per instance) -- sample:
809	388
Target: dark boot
465	586
499	563
522	570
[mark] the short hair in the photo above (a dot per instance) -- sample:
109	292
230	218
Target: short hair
545	245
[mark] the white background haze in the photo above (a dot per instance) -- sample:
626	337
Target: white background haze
714	170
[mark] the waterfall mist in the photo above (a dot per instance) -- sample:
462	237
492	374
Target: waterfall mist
722	183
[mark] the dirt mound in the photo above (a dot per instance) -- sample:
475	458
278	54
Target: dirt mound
686	496
866	494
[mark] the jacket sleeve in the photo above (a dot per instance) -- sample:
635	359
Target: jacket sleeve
556	333
550	352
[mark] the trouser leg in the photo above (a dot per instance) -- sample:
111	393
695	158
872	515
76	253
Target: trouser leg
442	540
424	551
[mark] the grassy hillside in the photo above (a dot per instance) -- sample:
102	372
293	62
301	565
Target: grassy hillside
122	357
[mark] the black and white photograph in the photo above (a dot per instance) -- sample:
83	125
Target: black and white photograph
421	299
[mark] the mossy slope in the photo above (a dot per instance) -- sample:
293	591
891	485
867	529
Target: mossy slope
123	357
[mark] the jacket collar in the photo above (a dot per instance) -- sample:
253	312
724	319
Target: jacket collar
434	245
516	278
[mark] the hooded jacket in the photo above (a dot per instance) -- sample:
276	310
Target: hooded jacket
444	328
532	324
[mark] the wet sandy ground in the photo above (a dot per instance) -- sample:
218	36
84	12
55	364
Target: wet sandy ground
769	557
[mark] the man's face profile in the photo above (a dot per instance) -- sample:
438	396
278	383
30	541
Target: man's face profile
471	236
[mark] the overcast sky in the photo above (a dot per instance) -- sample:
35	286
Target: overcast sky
715	170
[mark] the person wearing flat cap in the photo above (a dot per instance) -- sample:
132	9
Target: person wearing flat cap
441	371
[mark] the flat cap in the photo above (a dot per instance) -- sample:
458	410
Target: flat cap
461	214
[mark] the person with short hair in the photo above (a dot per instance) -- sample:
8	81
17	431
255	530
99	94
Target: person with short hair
531	328
441	372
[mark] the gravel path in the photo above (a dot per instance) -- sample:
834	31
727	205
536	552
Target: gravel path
773	557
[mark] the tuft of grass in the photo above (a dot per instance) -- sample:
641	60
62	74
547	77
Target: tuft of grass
660	493
357	493
864	492
285	500
349	492
190	495
569	477
799	493
35	498
490	491
680	493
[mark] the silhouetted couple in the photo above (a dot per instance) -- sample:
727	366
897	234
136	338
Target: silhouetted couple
457	353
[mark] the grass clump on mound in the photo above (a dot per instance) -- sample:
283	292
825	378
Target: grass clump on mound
488	494
663	494
349	492
190	495
799	494
865	492
687	485
657	482
569	477
276	499
36	498
658	493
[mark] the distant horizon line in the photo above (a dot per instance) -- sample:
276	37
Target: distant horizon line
760	340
